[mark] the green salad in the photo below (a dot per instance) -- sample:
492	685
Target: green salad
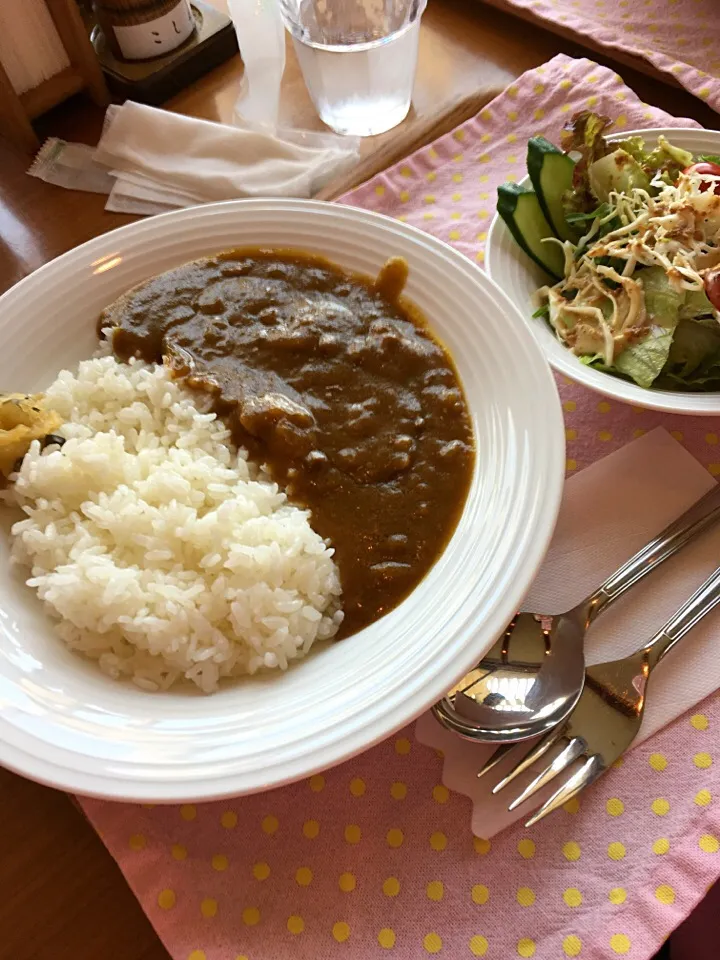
629	232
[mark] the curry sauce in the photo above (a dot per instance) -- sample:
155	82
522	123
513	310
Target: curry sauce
337	385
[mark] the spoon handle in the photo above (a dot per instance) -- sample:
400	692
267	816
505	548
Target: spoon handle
690	613
676	535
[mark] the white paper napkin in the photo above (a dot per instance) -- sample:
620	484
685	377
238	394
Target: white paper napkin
151	160
608	512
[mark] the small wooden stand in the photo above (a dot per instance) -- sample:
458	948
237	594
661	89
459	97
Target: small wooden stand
17	111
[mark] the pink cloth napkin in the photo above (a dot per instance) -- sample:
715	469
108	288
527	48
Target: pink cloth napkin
376	856
679	38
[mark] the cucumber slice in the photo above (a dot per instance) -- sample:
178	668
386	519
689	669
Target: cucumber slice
520	209
551	173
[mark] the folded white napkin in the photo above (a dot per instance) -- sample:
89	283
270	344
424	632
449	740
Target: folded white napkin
158	160
609	511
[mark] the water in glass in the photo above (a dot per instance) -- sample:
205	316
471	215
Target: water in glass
358	59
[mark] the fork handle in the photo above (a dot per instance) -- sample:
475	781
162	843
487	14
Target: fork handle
701	515
690	613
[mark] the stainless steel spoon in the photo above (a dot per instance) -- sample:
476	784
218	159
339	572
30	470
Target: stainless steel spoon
504	698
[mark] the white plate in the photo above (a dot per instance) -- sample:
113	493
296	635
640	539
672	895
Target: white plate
64	723
520	277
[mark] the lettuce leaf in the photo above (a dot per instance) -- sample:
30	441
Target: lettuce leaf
695	351
697	305
602	211
584	135
667	160
635	146
662	300
686	358
644	360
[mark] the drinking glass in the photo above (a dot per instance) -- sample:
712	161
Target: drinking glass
358	59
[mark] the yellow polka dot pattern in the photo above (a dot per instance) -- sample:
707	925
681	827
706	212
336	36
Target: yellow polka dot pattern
572	945
166	899
209	907
347	882
438	841
665	894
619	943
432	943
616	851
526	848
571	850
391	887
708	843
386	938
572	897
398	790
478	945
357	787
435	890
270	824
311	828
481	846
480	894
295	924
525	897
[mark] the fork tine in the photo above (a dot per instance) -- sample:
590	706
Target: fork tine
540	748
587	774
575	748
495	758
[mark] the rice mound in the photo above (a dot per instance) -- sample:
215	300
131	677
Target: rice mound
161	551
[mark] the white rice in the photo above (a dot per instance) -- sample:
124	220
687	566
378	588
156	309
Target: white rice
159	549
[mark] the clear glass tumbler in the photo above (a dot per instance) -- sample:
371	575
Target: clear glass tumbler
358	59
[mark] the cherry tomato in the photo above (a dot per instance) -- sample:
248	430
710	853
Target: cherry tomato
705	168
712	287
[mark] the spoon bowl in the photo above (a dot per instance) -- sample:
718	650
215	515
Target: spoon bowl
513	697
533	676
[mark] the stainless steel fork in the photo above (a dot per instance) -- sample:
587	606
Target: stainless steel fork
607	717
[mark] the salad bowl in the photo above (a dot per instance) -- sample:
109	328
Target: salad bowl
520	277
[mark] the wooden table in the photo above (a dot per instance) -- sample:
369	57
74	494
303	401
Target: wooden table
62	896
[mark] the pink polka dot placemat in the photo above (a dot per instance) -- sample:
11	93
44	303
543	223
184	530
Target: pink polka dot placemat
678	39
376	858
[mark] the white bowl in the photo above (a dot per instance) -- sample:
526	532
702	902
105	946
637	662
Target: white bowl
64	723
519	277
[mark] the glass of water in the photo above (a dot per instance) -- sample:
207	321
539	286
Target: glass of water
358	59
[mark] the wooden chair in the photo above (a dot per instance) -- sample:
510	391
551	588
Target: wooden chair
17	111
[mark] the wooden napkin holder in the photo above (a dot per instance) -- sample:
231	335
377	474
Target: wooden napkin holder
17	111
